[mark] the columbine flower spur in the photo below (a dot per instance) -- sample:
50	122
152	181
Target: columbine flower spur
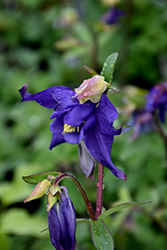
86	123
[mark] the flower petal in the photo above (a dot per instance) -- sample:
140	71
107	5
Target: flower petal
106	114
54	228
57	113
56	127
74	137
64	99
67	220
87	162
44	98
62	223
79	114
89	122
99	146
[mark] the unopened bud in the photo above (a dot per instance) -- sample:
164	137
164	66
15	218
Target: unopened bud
39	191
91	89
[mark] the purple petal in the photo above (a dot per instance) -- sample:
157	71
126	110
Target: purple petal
162	112
44	98
64	99
89	122
54	228
56	127
79	114
99	146
106	114
67	220
58	113
75	137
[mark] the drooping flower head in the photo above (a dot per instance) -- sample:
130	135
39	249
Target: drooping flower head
62	223
75	122
157	100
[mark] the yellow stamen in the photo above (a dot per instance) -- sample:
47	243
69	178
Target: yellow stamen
68	129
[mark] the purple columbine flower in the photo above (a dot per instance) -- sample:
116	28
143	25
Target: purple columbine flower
113	16
157	100
62	223
89	125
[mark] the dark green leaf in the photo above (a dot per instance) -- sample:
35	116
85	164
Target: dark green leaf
121	206
101	236
36	178
108	67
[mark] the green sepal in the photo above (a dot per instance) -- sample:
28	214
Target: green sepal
80	220
121	206
123	126
114	88
36	178
91	71
101	236
108	67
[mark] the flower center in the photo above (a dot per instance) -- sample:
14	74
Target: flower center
69	129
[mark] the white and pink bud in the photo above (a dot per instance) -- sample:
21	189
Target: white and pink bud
91	89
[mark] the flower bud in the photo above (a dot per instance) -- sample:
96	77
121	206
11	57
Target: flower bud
91	89
39	191
62	223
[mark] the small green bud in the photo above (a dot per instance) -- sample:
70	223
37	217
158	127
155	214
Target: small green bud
53	195
39	191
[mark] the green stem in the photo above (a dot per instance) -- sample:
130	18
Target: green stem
82	191
99	190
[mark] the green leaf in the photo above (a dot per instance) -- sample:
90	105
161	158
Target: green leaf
36	178
18	221
121	206
101	236
80	220
108	67
91	71
4	239
83	33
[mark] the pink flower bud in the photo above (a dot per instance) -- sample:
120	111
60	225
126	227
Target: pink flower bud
39	191
91	89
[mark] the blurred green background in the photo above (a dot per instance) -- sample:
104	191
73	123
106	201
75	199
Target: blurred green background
45	43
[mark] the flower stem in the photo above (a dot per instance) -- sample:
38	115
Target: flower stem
99	190
82	191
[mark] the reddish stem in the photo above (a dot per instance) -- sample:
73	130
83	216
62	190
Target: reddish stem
99	190
80	188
